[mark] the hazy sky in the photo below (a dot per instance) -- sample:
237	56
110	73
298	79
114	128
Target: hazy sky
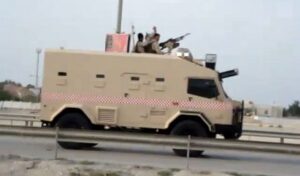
260	37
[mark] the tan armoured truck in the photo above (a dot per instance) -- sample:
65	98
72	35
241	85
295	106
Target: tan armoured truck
151	93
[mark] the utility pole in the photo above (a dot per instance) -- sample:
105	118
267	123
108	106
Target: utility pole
38	52
119	18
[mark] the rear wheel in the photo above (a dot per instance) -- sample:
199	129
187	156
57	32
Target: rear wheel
186	128
74	121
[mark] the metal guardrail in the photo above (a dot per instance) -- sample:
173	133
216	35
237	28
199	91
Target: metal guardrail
19	115
28	119
272	134
195	143
19	105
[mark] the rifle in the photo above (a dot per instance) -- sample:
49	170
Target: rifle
172	42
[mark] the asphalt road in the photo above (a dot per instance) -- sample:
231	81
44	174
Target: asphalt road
213	160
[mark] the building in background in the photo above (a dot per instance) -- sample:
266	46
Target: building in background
252	109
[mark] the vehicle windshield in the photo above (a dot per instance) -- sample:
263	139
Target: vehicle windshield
222	87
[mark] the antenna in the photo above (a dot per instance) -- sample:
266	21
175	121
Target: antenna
132	36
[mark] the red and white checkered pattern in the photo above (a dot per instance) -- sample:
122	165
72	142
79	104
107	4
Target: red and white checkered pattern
96	99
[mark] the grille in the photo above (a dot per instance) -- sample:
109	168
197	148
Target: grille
106	115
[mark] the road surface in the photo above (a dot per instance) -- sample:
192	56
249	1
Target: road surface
213	160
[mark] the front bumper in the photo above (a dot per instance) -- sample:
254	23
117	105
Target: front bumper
235	129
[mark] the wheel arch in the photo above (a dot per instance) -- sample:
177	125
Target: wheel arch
69	109
198	117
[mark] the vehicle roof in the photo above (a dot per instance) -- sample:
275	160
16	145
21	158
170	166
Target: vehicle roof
89	52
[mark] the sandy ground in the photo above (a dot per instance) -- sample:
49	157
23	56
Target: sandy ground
17	166
275	124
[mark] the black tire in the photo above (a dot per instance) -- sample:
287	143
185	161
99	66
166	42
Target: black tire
232	136
74	121
185	128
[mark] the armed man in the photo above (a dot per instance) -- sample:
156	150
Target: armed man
149	37
139	47
155	48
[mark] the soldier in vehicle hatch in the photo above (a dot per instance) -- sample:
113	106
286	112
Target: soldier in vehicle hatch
155	48
139	47
149	37
153	45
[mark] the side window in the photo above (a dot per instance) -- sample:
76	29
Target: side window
100	76
135	78
159	84
99	82
62	74
160	79
61	79
202	87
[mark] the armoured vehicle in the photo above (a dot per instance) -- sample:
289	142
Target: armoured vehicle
168	94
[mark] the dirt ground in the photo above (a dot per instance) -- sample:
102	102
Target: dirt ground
16	166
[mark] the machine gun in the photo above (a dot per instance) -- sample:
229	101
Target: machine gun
172	42
228	73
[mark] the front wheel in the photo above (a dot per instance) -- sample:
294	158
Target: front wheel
232	135
186	128
74	121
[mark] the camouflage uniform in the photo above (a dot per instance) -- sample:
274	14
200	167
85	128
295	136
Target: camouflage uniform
155	48
139	47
